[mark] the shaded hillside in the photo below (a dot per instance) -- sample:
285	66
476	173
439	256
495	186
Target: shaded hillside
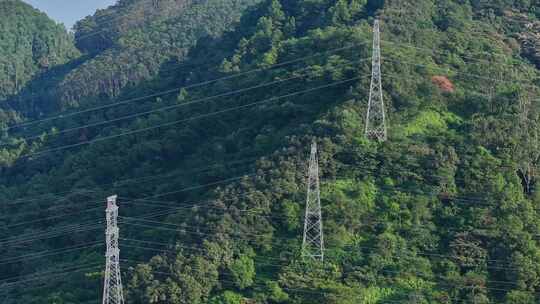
210	161
164	35
140	52
30	44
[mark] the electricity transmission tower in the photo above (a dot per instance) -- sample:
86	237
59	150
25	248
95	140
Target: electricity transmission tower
375	120
313	243
112	290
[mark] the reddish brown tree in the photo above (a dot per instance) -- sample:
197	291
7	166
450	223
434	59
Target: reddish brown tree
443	83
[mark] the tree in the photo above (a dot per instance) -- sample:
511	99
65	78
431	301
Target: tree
242	270
228	297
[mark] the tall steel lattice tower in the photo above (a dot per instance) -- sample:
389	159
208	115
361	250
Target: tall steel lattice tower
313	243
112	290
376	120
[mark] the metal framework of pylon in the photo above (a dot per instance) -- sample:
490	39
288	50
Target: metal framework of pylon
313	242
375	119
112	290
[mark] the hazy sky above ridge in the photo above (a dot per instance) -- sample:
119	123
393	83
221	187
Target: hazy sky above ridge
69	11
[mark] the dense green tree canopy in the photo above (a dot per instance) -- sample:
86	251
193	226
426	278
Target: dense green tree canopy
207	148
30	43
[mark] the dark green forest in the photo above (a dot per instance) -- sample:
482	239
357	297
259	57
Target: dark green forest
30	43
200	115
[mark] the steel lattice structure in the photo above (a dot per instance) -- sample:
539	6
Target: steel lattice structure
313	242
112	290
376	120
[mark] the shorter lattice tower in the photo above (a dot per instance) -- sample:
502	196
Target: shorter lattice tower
112	290
376	118
313	242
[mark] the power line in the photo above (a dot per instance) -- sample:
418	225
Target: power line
85	228
195	85
281	240
52	217
278	265
180	105
91	225
121	182
165	124
232	179
208	207
130	200
48	253
82	269
449	256
60	196
166	92
263	261
385	76
29	238
173	208
56	232
176	106
172	123
61	274
254	212
298	290
305	291
464	199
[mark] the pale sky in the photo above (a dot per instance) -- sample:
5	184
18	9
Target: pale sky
69	11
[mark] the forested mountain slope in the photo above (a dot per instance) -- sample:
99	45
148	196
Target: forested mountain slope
209	161
30	43
140	37
103	29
